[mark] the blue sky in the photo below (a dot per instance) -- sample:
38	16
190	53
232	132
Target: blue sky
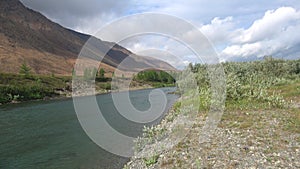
238	29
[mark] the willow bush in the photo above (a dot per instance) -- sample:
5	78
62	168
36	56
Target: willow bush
251	81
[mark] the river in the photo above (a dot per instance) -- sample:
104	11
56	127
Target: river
47	134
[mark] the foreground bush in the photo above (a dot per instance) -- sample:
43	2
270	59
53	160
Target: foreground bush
251	81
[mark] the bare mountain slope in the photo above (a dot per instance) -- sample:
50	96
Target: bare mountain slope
28	36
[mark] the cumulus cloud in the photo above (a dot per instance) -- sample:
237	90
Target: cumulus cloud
271	25
238	29
81	15
219	30
274	34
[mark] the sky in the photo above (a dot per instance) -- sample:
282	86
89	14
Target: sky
238	29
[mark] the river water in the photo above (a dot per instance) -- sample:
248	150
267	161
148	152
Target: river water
47	134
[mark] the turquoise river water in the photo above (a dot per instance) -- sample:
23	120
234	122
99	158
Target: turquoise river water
47	134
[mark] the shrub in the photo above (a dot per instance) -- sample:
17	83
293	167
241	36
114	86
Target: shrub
251	80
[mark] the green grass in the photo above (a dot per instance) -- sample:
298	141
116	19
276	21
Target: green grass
150	161
160	84
289	90
292	123
50	81
15	87
245	104
103	86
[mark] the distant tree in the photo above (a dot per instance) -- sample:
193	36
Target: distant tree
154	76
170	79
101	73
25	70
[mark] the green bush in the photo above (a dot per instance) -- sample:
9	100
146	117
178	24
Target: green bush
106	86
21	88
4	95
155	76
251	81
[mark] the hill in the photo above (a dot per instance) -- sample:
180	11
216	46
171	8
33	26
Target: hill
48	48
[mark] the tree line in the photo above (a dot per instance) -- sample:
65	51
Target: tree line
154	76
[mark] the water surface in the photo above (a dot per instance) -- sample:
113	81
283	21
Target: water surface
47	134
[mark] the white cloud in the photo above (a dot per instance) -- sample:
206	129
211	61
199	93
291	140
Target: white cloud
275	33
236	28
271	25
219	30
170	51
242	50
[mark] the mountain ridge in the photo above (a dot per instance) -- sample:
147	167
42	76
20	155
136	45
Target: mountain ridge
47	47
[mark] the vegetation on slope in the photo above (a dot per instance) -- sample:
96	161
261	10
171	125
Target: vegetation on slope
260	125
28	86
15	87
251	84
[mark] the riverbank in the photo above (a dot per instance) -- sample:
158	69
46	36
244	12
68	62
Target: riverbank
16	88
249	135
260	126
68	94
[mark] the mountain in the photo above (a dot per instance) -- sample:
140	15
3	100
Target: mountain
47	47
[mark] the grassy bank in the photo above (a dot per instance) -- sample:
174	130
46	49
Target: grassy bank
259	128
14	87
18	87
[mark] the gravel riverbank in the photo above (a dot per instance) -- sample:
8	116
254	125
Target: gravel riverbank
244	139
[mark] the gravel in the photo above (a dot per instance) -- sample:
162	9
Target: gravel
243	139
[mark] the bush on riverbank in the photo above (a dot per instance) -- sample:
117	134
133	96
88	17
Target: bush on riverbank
155	76
252	82
30	87
24	93
262	109
21	87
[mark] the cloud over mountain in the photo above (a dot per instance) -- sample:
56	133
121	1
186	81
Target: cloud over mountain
238	29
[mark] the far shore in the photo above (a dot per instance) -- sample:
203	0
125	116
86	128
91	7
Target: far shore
67	95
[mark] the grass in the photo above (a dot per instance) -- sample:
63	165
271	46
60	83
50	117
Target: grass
292	124
258	112
243	114
151	83
238	119
16	87
198	164
50	81
289	91
245	104
151	161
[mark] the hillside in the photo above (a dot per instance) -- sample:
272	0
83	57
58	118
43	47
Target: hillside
28	36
